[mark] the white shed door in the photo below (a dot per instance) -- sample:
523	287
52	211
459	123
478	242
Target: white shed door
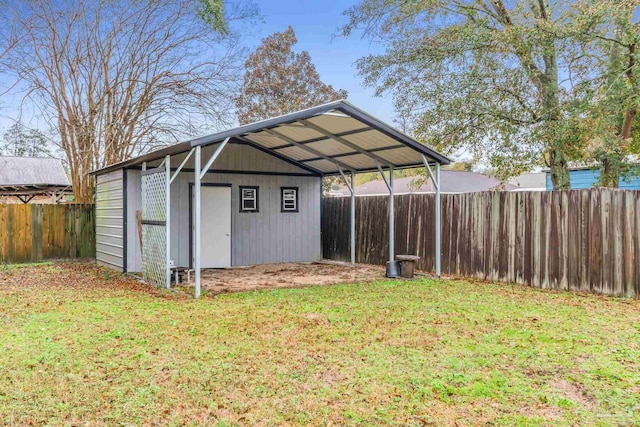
215	227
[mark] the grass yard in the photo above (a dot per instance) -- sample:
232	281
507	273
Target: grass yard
82	345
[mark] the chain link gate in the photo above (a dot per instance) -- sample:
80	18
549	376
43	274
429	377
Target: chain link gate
154	226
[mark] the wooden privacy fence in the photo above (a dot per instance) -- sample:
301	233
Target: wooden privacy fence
36	232
581	240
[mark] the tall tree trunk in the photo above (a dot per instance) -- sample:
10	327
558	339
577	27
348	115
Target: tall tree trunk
611	167
610	171
557	157
627	124
559	165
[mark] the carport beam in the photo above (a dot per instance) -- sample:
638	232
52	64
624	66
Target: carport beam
213	158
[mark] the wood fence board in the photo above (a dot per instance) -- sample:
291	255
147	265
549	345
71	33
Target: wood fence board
31	233
11	236
455	235
617	258
585	248
564	273
583	240
636	291
595	242
629	238
545	225
574	249
553	238
606	242
36	232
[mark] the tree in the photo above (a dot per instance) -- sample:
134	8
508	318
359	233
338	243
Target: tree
610	122
20	141
460	166
481	75
115	77
278	81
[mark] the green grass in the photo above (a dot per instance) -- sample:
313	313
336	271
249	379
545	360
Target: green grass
11	267
79	345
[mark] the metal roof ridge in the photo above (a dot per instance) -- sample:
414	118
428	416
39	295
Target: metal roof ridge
238	131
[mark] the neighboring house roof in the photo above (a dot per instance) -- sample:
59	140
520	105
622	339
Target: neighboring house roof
29	175
534	181
452	182
323	140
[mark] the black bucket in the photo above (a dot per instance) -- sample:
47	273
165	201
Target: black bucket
393	269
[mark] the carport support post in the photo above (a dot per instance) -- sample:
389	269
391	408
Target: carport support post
200	172
436	184
353	217
438	203
196	231
389	183
352	191
167	171
392	239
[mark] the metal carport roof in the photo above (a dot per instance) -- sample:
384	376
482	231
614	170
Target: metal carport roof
32	176
324	139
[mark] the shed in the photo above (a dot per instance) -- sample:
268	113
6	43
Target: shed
29	177
587	177
248	195
531	181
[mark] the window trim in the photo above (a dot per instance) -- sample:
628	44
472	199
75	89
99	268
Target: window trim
297	199
257	198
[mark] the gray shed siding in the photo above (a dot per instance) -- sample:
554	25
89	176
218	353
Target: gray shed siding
109	220
263	237
134	202
268	236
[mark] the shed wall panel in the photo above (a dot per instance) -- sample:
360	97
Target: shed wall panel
109	220
134	204
267	236
587	178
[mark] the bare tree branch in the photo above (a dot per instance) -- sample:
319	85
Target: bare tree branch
115	77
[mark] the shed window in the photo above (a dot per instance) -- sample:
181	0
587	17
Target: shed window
289	199
249	199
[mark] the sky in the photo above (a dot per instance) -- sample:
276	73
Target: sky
315	22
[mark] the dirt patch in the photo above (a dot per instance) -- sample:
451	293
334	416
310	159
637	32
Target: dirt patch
541	410
287	275
573	392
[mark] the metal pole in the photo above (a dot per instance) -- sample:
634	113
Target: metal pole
196	231
167	172
438	251
184	162
214	157
353	217
391	218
